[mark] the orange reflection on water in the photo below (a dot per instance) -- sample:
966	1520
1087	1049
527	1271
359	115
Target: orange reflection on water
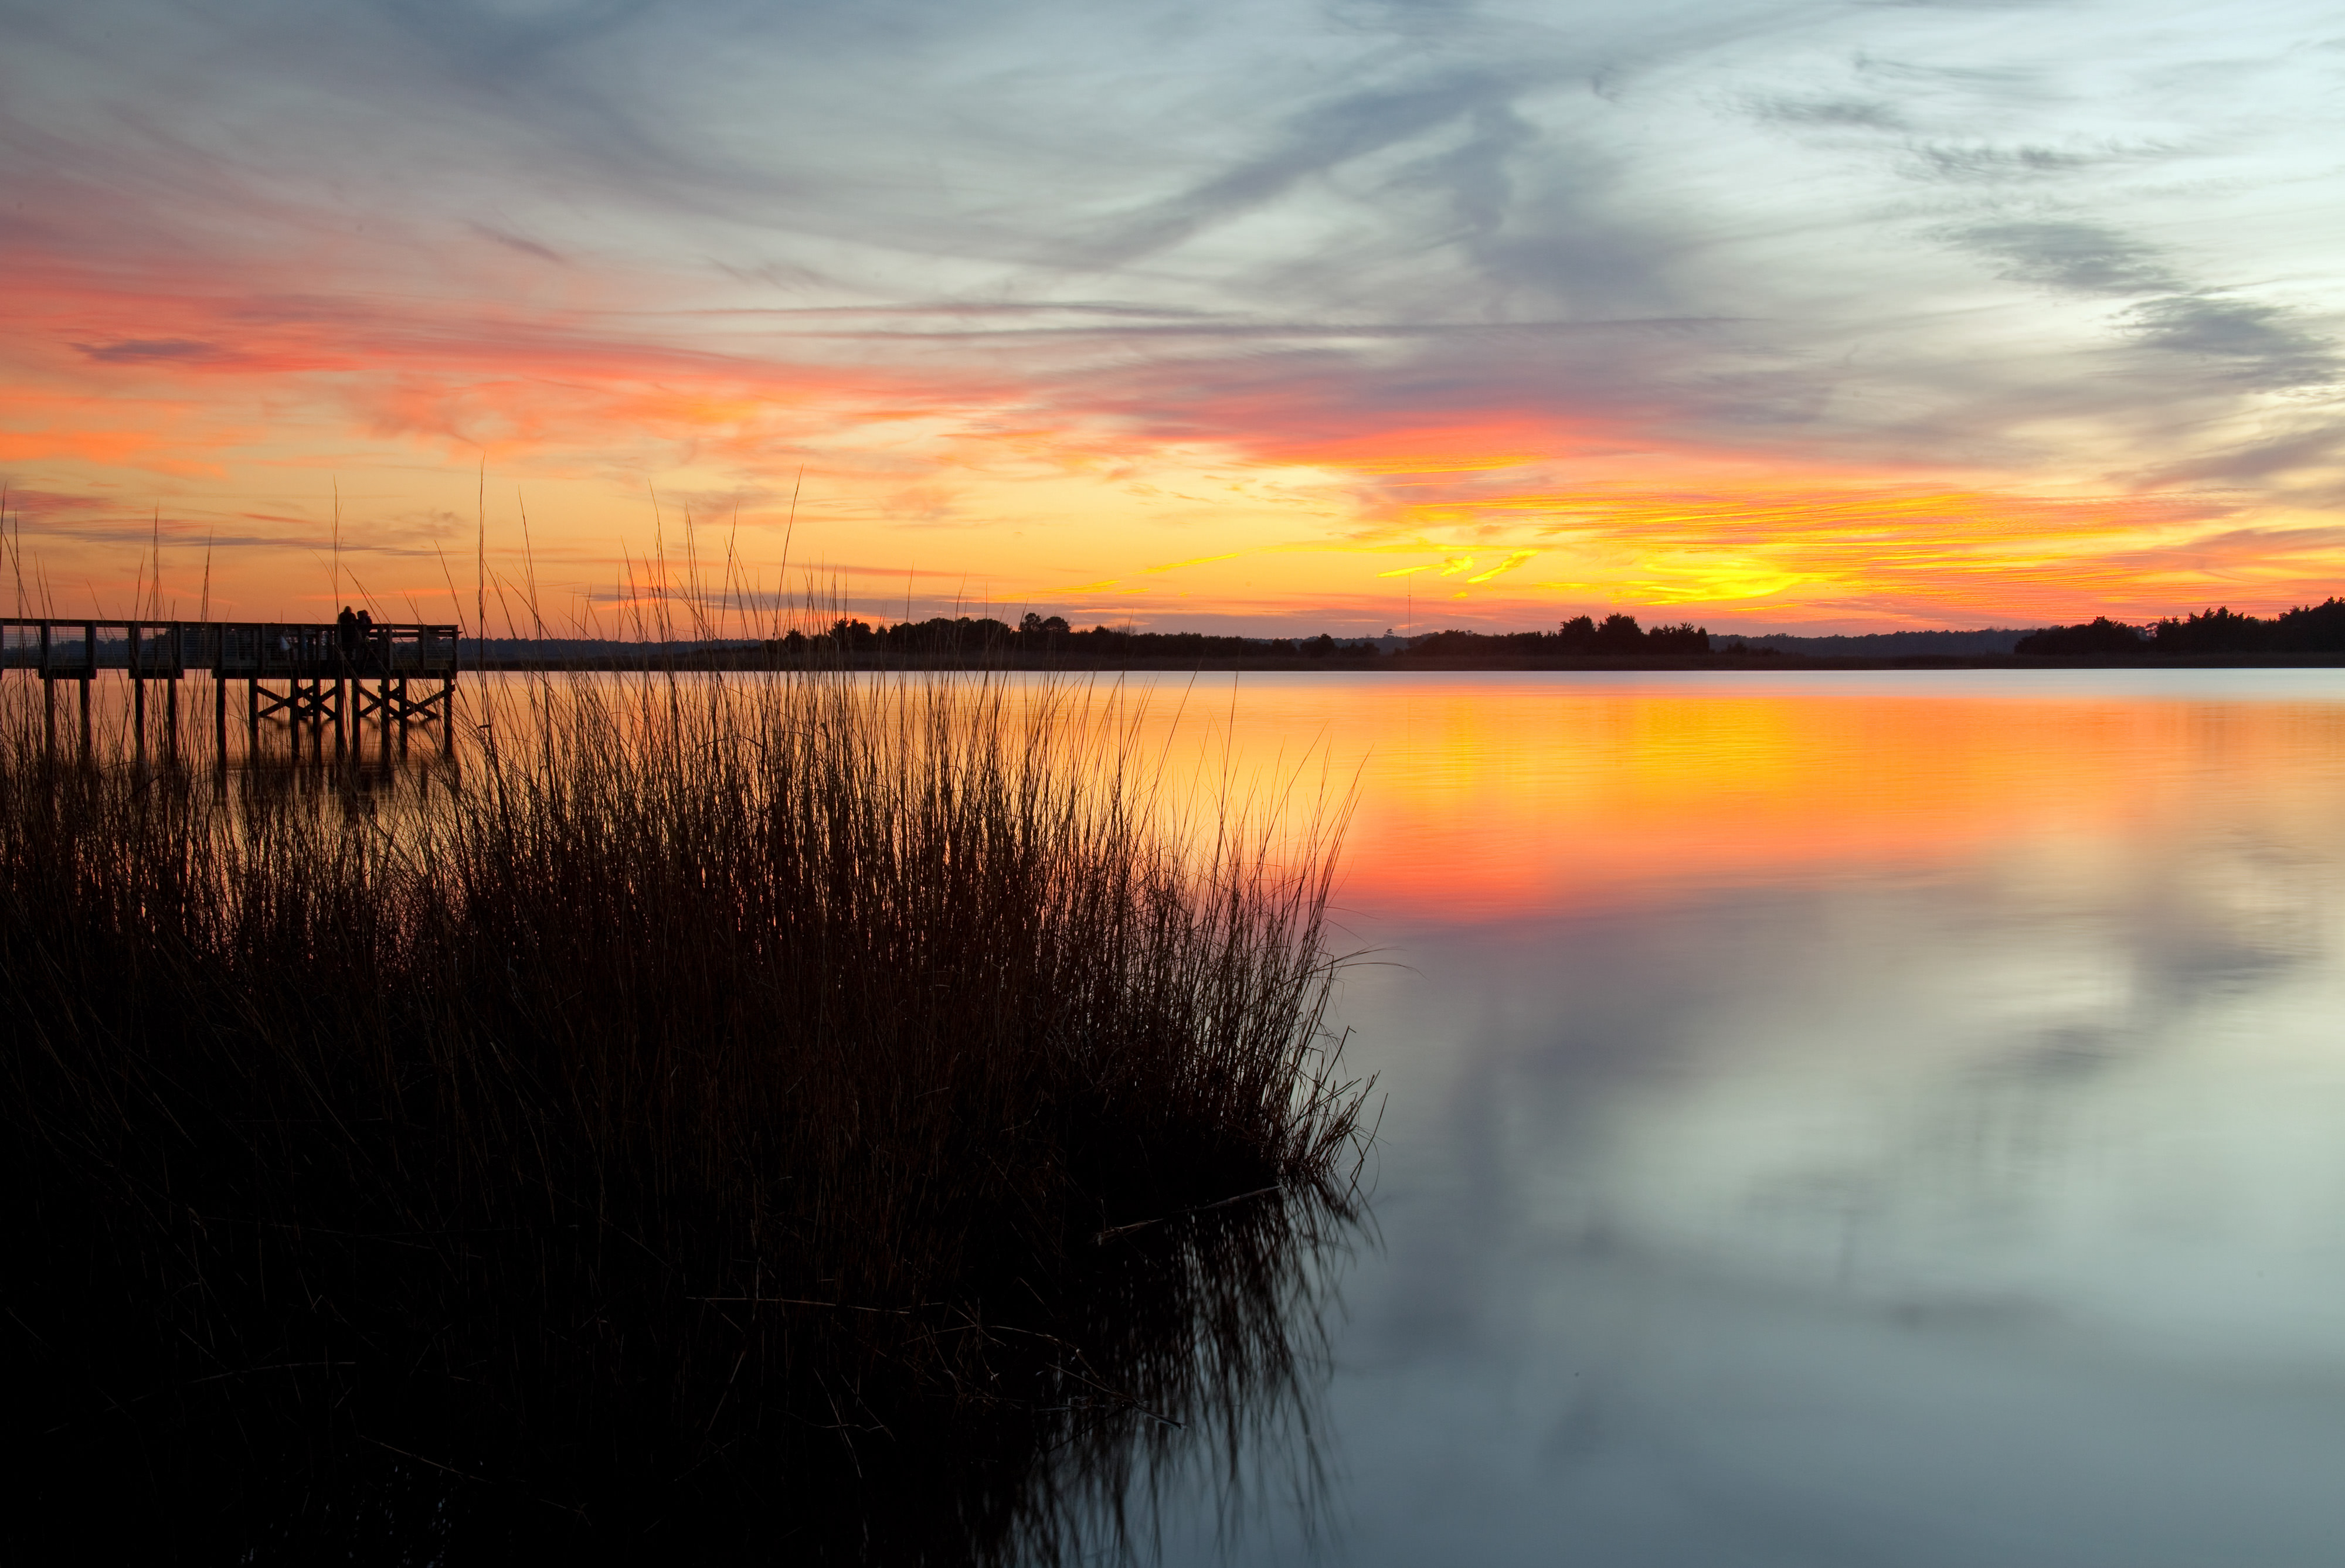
1487	796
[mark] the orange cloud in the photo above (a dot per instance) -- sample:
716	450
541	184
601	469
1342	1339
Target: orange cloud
1273	485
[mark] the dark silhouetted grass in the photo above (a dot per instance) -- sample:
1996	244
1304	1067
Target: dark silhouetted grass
692	1119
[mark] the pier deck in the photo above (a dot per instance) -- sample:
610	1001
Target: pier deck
313	672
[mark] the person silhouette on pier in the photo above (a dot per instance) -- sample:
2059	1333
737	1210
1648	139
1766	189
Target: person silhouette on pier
347	625
365	637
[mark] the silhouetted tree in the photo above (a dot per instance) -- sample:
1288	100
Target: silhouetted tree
2217	630
2306	629
1685	637
2097	638
1619	634
848	636
2313	629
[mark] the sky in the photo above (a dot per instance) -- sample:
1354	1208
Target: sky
1268	316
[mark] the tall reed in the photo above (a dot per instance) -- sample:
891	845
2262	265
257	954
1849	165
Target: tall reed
734	1084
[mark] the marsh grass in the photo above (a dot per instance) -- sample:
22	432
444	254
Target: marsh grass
695	1118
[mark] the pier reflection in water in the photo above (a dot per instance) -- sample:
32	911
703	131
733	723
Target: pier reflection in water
1883	1120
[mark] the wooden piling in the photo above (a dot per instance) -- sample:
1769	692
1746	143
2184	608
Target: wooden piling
171	695
89	673
137	691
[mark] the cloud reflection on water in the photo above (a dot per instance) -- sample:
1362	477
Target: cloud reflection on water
1963	1185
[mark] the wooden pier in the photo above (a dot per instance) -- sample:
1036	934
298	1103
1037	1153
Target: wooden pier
319	674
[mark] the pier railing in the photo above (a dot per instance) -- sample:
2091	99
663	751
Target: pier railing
69	649
312	673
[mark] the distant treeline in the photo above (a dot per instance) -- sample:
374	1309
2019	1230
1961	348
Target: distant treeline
980	640
1051	635
2306	629
982	636
505	651
1986	640
983	639
1580	634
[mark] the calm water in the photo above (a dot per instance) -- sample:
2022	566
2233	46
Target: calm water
1875	1120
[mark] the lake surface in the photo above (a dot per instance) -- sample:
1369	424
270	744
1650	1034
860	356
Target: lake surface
1887	1118
1880	1119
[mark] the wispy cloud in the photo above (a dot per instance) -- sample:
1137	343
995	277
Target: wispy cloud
2084	257
1175	281
2264	346
146	350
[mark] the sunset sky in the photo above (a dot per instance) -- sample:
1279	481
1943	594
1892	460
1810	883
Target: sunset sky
1261	317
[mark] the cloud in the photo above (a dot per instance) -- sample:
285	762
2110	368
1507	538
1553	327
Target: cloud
1991	163
142	350
1416	254
517	243
53	506
1857	113
2259	345
1320	138
1513	561
2321	448
2083	258
2254	344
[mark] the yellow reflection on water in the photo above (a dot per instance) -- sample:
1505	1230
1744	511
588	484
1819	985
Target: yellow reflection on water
1489	796
1481	796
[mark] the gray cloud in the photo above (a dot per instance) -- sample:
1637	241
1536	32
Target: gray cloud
517	243
2259	345
2086	258
1323	136
1859	114
1986	163
143	350
2320	448
503	39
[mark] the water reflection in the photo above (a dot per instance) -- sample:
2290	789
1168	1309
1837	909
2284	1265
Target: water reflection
1188	1361
1889	1120
1890	1131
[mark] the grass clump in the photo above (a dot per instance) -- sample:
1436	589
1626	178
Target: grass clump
695	1116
